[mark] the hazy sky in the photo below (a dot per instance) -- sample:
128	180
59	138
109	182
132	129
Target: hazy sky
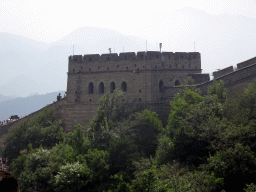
50	20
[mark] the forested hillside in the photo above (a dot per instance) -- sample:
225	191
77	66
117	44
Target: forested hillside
207	145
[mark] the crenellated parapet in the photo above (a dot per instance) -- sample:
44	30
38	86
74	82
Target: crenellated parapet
149	55
222	72
246	63
150	60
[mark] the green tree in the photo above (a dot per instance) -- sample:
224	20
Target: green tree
236	165
165	151
72	177
42	129
76	139
145	129
218	88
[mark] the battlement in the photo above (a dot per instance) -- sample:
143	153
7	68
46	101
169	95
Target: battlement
246	63
149	55
94	57
222	72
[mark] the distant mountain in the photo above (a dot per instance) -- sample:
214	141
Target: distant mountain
5	98
93	40
25	105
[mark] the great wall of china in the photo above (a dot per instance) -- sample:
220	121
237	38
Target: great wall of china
80	104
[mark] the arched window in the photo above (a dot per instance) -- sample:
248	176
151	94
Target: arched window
101	88
177	83
124	87
112	87
161	86
90	88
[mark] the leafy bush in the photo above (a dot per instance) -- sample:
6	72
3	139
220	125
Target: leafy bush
72	177
236	165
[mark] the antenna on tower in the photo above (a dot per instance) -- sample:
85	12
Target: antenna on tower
160	45
194	46
109	50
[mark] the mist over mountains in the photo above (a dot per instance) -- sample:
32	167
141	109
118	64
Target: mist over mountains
29	66
24	106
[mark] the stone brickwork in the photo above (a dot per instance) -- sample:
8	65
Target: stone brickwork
222	72
246	63
145	76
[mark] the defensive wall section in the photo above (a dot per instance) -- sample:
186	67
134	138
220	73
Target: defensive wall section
235	81
60	113
246	63
222	72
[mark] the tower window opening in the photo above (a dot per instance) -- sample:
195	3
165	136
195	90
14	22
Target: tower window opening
90	88
124	86
89	69
90	59
177	83
161	86
135	65
117	66
98	67
126	68
101	88
107	68
112	87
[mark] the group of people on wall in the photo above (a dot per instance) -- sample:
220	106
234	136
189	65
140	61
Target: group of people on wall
10	120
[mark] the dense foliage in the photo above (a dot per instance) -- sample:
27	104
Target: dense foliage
207	145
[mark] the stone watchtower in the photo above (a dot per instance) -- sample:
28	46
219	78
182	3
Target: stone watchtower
151	78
